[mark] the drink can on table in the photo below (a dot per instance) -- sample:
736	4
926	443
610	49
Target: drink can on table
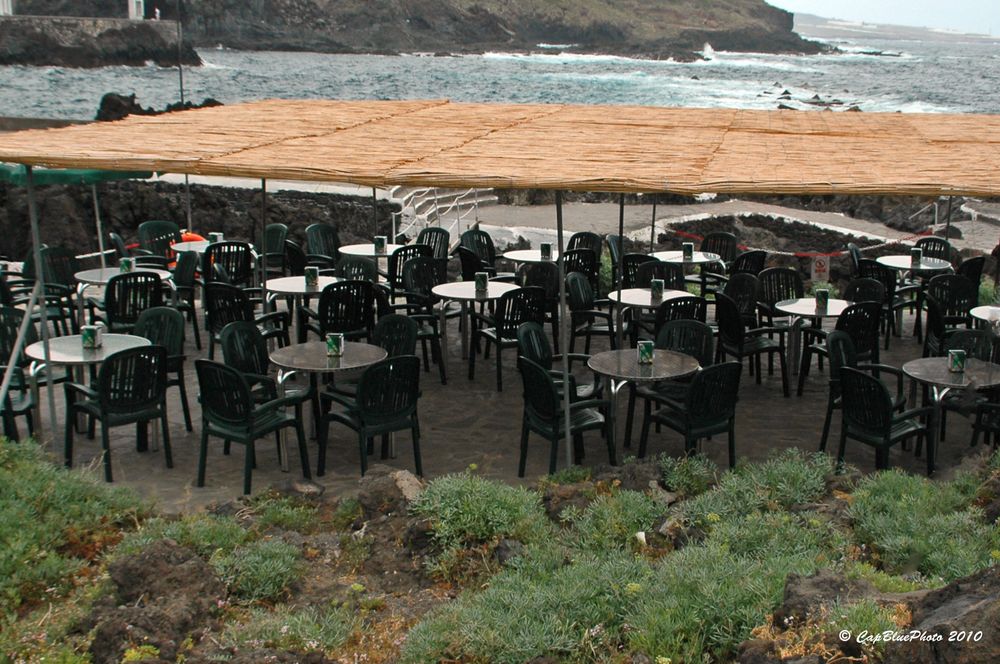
546	250
90	336
822	299
334	344
645	351
482	282
956	361
656	288
312	277
380	244
687	250
916	255
215	237
126	265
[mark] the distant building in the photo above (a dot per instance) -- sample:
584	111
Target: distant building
136	9
6	7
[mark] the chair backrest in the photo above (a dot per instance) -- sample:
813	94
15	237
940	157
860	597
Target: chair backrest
721	243
61	266
582	260
854	254
399	257
121	251
934	247
185	269
680	308
541	400
866	403
274	245
470	262
295	259
235	258
586	240
439	240
691	337
480	244
934	328
977	344
775	284
880	273
132	380
244	348
357	268
10	325
972	269
749	262
842	353
420	276
742	289
518	306
164	326
864	289
128	295
397	334
731	326
543	275
671	273
860	322
322	243
157	236
224	394
225	303
388	391
615	249
579	293
348	307
630	267
713	394
955	293
533	344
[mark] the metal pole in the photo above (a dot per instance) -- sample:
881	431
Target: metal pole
36	240
652	227
947	223
564	328
392	240
180	41
263	241
100	229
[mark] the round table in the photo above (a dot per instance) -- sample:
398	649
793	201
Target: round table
197	246
800	309
102	275
368	250
643	297
530	256
297	285
619	367
904	263
933	372
311	358
987	312
697	257
465	292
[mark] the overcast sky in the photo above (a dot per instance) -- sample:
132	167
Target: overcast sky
978	16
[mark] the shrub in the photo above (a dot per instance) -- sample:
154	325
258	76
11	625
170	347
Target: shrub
815	285
885	583
347	512
611	520
780	534
259	570
913	524
570	475
53	522
285	513
689	475
205	534
987	290
285	628
862	616
465	509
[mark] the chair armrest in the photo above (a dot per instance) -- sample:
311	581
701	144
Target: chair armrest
589	403
344	400
277	317
759	331
80	389
276	404
898	373
913	412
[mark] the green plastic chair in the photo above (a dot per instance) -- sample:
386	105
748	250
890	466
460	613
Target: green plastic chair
229	412
322	245
534	345
164	326
386	401
185	281
131	388
156	237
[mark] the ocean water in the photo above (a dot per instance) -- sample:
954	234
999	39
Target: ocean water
921	77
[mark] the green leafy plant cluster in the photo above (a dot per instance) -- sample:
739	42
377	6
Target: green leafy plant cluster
288	628
914	525
205	534
53	522
611	520
689	476
259	570
286	513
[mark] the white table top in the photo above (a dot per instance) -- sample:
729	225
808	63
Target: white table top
198	246
69	350
986	312
904	262
806	306
643	297
466	290
100	276
530	256
368	250
297	285
678	257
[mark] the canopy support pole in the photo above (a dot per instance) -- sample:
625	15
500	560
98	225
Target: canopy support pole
22	332
392	240
263	242
100	228
620	333
36	240
564	328
947	223
652	227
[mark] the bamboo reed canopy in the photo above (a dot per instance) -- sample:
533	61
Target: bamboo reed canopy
566	147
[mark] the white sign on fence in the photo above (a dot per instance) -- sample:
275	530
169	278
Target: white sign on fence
821	268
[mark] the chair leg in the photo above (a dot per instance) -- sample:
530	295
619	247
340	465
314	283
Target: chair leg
321	439
732	443
194	326
843	447
184	401
473	349
363	449
826	426
248	464
303	450
804	368
524	449
202	454
630	415
553	454
784	373
385	446
106	447
609	434
438	356
499	367
415	432
68	440
167	452
647	410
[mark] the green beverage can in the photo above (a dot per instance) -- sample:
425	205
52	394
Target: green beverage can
645	351
482	282
126	265
688	250
656	288
334	344
916	255
546	250
822	299
380	244
90	336
956	361
312	276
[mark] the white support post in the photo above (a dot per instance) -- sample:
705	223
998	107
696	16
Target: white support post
137	10
6	7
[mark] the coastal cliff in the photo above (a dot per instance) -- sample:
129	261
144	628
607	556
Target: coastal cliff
644	28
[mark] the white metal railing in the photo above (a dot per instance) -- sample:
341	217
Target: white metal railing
429	206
